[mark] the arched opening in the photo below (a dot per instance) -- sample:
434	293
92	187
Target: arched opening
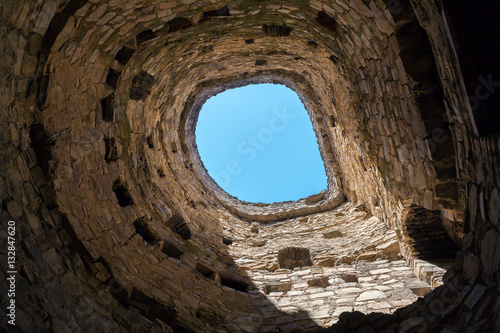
258	144
326	199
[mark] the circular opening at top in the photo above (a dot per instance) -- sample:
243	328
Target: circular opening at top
258	144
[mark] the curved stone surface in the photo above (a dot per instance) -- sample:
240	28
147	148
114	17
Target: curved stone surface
118	227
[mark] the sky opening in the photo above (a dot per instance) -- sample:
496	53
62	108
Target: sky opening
258	144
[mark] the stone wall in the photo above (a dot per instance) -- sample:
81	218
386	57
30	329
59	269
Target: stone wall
349	261
116	225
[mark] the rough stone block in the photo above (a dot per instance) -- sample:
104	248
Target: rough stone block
333	234
54	261
276	287
14	209
44	17
319	282
370	295
490	255
421	291
475	295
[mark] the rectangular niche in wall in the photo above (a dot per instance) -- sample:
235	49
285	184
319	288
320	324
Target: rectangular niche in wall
205	271
107	106
292	257
122	193
171	250
179	226
234	283
143	228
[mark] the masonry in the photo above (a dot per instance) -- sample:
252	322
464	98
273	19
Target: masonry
119	228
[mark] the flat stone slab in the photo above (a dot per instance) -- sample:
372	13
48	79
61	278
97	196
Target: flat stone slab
380	271
346	291
333	234
370	295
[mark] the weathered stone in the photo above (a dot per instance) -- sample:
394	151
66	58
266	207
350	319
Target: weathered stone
259	243
421	291
54	260
97	13
412	323
380	271
315	198
472	266
321	314
141	86
34	222
494	206
292	257
370	295
475	296
284	320
333	234
395	119
367	255
490	256
349	278
14	209
59	326
44	18
321	282
350	290
283	287
389	247
366	329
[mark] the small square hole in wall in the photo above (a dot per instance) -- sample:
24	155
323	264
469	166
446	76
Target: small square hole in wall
122	193
223	11
145	36
205	271
312	44
124	55
143	228
107	107
112	78
179	23
326	21
150	141
234	283
227	241
161	173
171	250
331	119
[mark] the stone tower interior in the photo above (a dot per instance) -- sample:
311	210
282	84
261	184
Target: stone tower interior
119	228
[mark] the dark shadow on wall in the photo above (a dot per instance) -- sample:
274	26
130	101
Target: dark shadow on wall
426	237
64	284
475	30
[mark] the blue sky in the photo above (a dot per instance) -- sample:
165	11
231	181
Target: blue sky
258	143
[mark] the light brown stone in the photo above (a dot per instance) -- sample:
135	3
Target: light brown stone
333	234
394	123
